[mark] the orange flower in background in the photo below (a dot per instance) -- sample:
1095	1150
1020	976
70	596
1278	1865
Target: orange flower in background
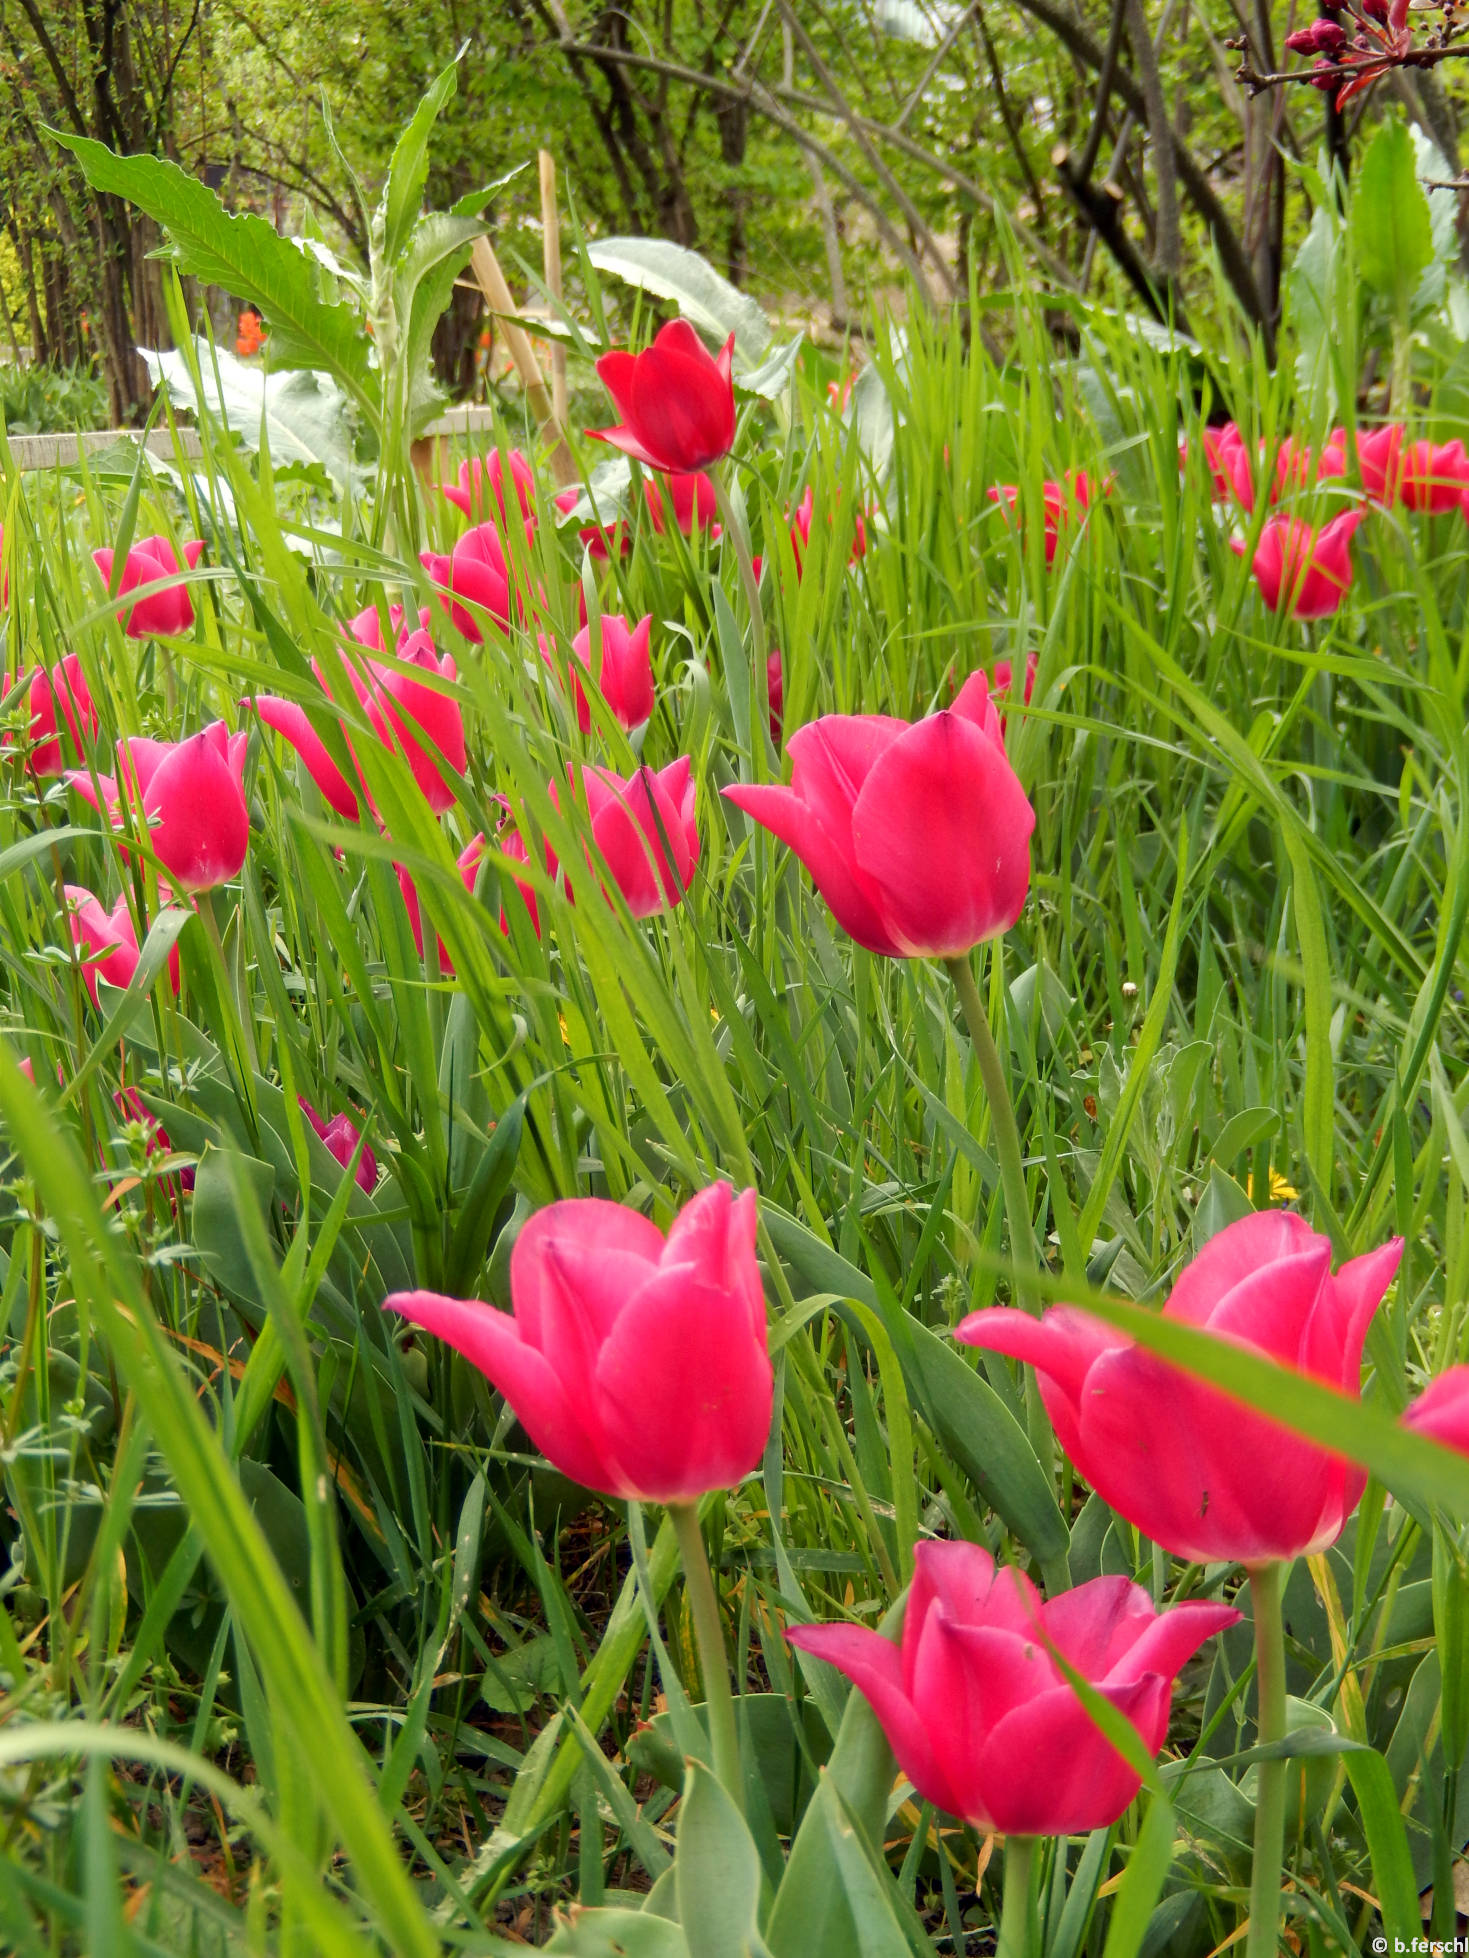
251	335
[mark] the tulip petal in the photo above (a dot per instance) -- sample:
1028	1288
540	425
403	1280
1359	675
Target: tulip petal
1231	1255
1061	1345
715	1232
941	835
1271	1308
871	1663
684	1390
490	1340
1164	1644
1334	1341
589	1225
1090	1624
1047	1770
287	717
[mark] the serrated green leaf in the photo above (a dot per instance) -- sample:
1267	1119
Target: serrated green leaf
408	168
243	254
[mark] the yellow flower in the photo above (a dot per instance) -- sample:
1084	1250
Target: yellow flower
1280	1190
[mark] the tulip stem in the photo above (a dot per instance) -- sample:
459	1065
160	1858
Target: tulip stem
713	1659
1014	1939
1002	1114
736	531
1270	1776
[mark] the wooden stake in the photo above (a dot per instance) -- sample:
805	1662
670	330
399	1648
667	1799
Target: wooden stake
551	245
492	284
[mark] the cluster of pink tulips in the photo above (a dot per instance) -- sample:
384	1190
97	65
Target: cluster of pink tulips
638	1361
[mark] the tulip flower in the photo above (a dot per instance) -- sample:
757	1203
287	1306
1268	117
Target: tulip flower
1434	476
1441	1411
676	401
193	799
916	835
57	695
164	614
108	940
366	627
1189	1467
396	703
984	1722
626	672
692	498
1301	569
775	693
468	861
423	724
1004	678
644	827
483	483
636	1364
1379	459
1234	464
801	531
341	1136
476	570
1060	502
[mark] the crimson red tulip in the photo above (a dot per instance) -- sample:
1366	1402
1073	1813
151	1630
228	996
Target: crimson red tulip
193	798
638	1365
917	835
1434	477
57	696
1302	570
692	498
1194	1470
984	1722
625	674
480	490
166	614
341	1136
478	571
676	401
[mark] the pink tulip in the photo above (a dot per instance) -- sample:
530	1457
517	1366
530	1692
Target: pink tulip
644	827
636	1364
468	861
1297	467
917	835
108	940
423	724
1194	1470
1301	569
477	570
366	627
676	401
1004	680
57	695
341	1136
510	843
1061	504
801	531
193	797
1441	1411
984	1722
1234	465
1230	465
166	614
693	500
482	484
626	675
396	703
